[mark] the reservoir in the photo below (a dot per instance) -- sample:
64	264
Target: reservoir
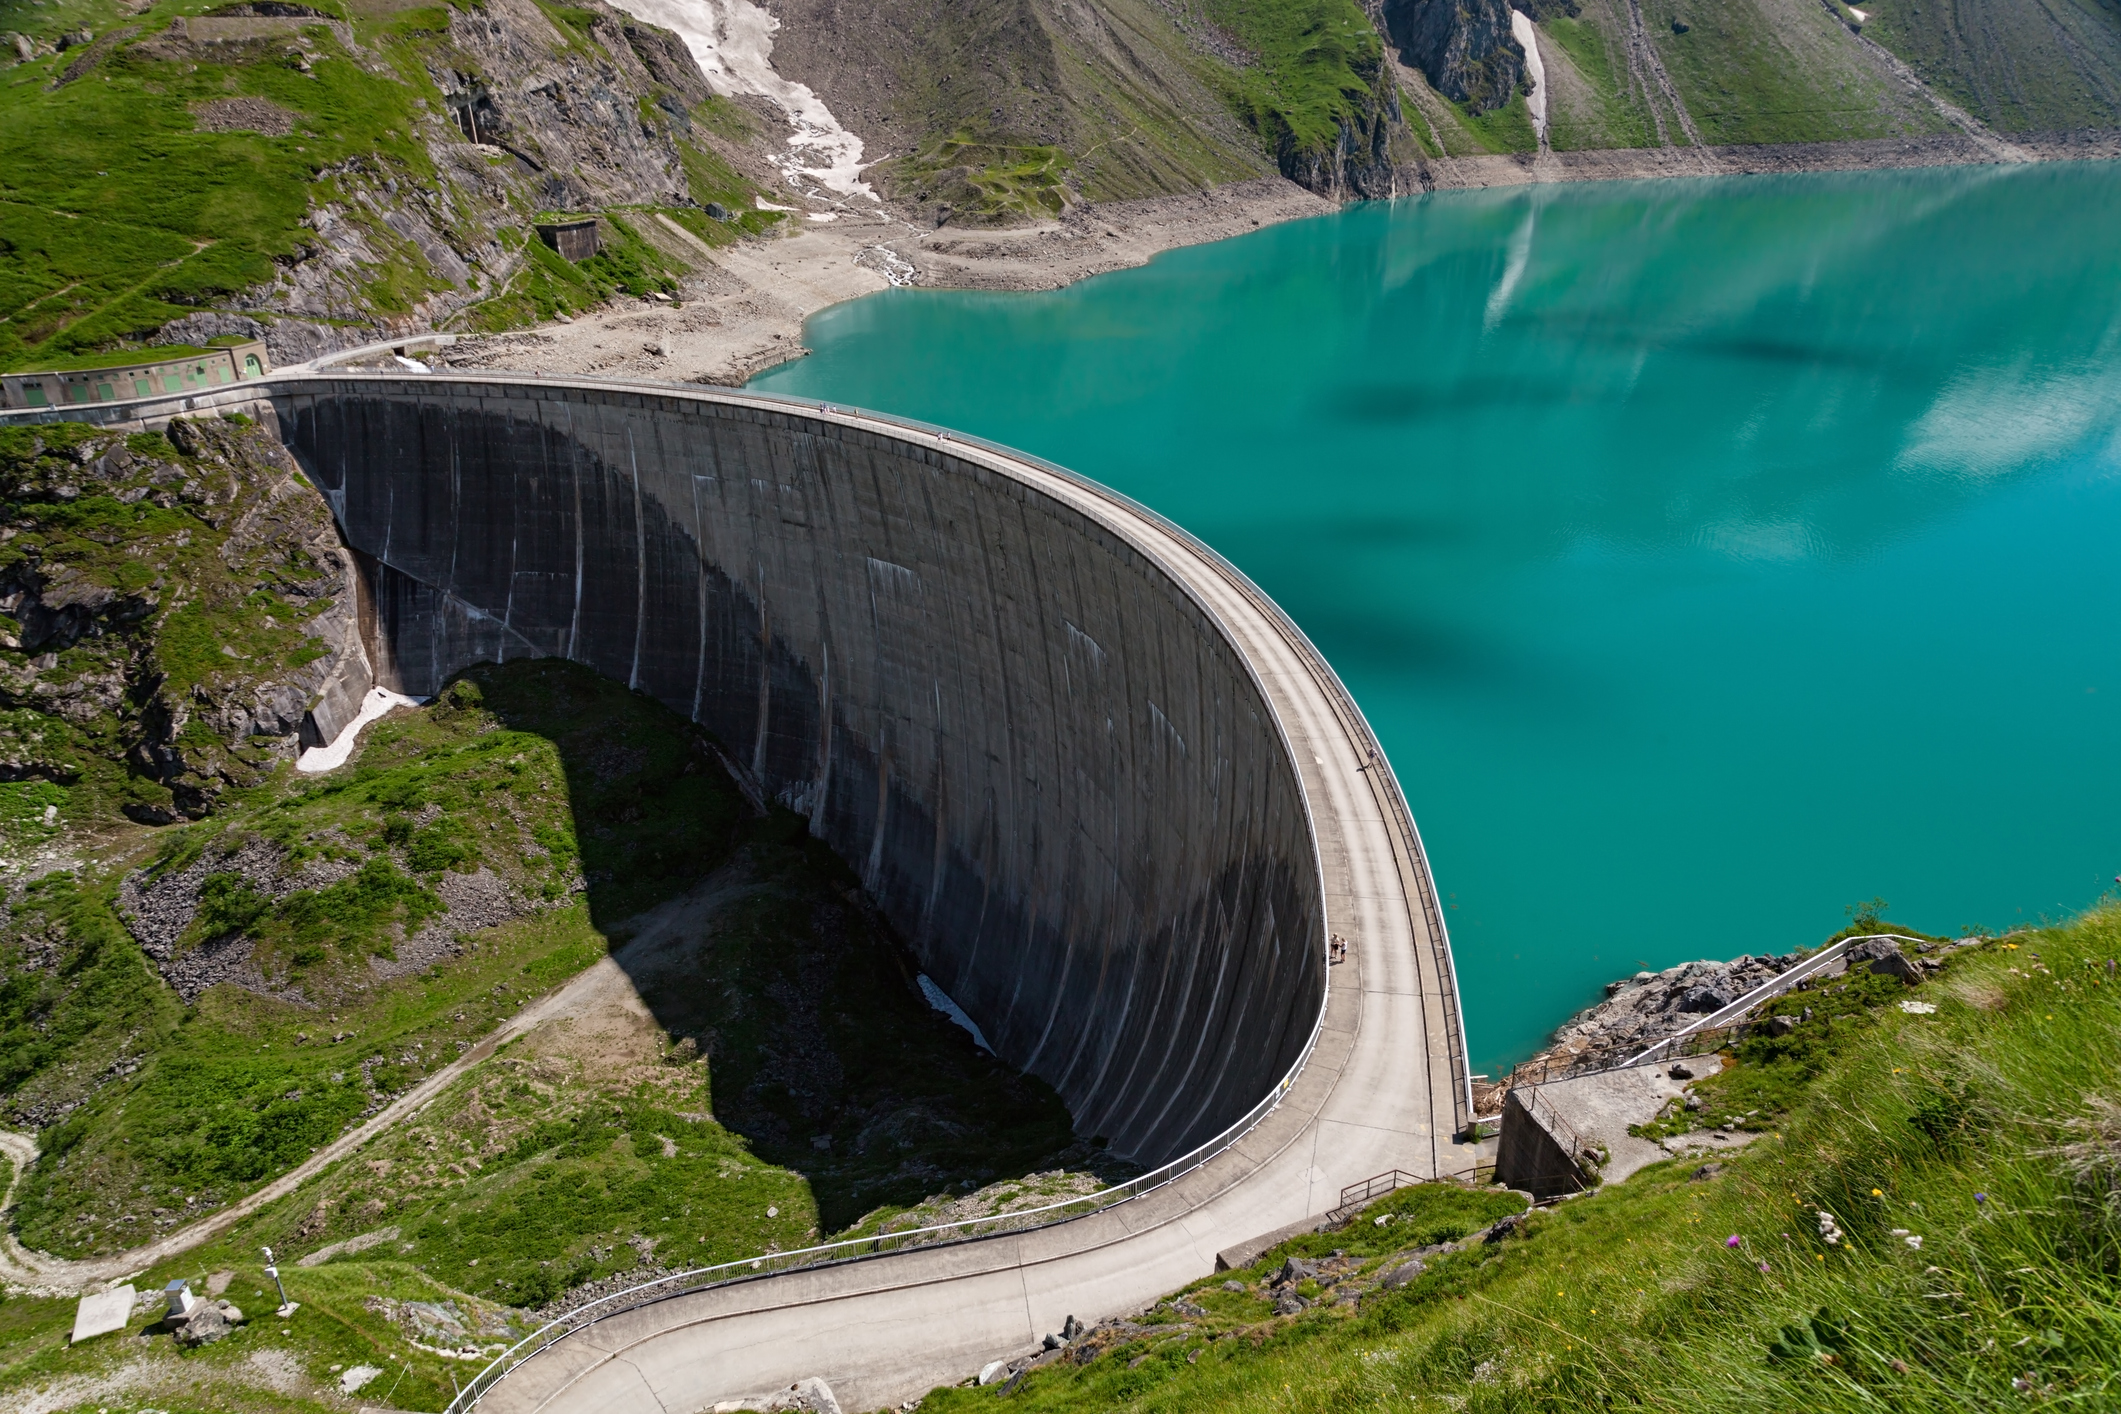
1710	555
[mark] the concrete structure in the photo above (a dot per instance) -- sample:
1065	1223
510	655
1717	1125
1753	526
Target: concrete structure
103	1312
171	370
575	240
1111	796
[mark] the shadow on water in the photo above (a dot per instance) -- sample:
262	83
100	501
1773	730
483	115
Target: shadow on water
822	1053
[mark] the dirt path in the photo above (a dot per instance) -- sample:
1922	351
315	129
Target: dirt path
1650	76
1983	136
743	307
602	987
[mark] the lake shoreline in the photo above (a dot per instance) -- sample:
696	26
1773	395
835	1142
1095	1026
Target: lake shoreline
1768	159
743	312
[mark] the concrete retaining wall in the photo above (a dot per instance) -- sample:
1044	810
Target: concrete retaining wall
1052	768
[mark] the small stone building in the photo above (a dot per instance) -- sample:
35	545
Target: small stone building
575	240
157	373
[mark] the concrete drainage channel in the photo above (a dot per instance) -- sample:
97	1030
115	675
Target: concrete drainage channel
1111	797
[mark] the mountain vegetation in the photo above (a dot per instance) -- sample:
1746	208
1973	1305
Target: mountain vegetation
319	172
213	967
1929	1218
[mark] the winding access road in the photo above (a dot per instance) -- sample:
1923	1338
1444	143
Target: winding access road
1383	1089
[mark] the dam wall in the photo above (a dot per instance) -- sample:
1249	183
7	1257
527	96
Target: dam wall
1053	768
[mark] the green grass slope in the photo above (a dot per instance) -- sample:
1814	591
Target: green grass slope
2021	67
1933	1224
1768	71
770	1079
118	214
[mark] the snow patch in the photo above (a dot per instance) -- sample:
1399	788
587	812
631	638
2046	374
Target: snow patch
733	42
1522	31
940	1000
330	758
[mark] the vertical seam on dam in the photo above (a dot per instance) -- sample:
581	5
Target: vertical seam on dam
1116	890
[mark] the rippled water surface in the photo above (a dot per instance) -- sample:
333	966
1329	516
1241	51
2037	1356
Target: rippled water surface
1710	555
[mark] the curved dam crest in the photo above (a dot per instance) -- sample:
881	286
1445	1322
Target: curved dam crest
1054	771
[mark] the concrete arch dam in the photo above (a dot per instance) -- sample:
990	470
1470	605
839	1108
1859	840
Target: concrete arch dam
1108	793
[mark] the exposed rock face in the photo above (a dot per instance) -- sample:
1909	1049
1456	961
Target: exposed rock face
1463	46
1649	1006
1362	164
533	117
181	613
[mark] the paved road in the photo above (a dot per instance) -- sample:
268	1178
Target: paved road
1377	1094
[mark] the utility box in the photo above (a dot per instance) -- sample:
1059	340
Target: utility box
574	240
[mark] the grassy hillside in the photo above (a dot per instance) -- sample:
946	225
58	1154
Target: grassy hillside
1933	1223
2022	67
1758	71
153	174
759	1072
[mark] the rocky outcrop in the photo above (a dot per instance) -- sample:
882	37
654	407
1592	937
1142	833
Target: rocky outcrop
1650	1006
172	606
1365	162
1463	46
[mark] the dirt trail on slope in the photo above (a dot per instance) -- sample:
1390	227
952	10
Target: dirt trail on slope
605	987
1650	76
1980	133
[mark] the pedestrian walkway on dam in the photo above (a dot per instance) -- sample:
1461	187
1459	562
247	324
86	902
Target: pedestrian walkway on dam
1382	1088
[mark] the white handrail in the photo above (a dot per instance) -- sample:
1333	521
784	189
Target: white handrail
1767	991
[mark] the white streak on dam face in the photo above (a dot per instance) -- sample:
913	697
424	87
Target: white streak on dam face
1109	914
940	1000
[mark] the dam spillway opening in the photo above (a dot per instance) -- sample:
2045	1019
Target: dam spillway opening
1052	769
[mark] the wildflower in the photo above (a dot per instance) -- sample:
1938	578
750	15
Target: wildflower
1914	1240
1980	1197
1763	1268
1877	1192
1829	1229
1731	1241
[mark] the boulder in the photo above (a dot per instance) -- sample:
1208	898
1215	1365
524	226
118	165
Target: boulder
1882	956
1289	1303
1781	1025
1704	999
205	1325
1295	1269
1682	1071
1405	1272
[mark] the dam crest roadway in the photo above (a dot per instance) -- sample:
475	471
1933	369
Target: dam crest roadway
1108	793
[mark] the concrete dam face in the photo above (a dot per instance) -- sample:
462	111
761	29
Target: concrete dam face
1052	768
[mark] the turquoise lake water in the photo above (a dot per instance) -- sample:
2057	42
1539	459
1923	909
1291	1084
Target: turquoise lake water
1709	555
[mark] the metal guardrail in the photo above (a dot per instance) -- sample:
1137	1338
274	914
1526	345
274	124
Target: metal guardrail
1710	1034
1548	1117
1375	1186
855	1249
876	1245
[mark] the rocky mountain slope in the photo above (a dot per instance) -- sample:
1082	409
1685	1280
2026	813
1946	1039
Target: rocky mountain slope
324	173
170	608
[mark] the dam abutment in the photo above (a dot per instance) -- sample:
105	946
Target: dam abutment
1088	769
1055	773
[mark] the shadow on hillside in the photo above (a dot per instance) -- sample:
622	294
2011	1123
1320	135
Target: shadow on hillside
822	1052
